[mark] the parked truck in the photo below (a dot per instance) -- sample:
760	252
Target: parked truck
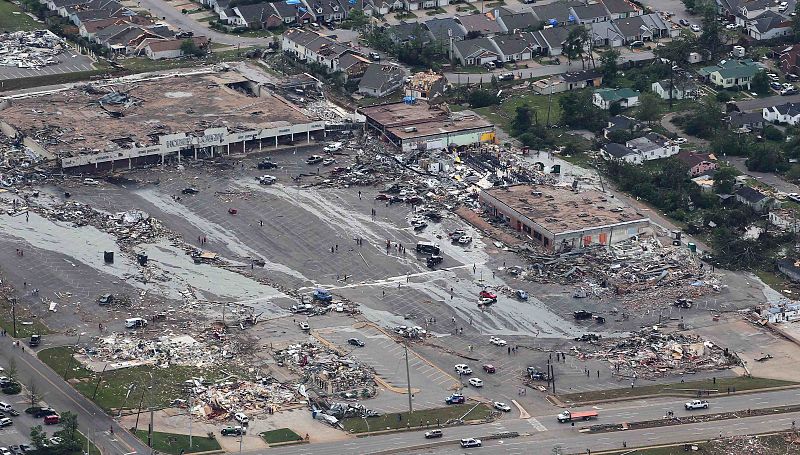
696	404
573	416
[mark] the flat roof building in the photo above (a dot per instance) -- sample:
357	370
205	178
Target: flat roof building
420	126
146	121
561	219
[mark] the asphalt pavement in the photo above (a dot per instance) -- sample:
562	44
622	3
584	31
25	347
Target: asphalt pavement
756	104
768	178
62	397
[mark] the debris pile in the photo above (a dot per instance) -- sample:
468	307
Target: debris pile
756	445
652	354
641	272
30	50
223	398
129	228
328	371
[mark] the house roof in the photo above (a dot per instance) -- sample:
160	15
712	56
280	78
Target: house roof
175	44
590	11
618	150
739	119
555	36
61	3
631	26
559	11
622	122
756	5
604	29
102	13
514	21
350	59
654	20
439	28
750	194
732	69
257	12
769	20
481	23
300	36
128	35
685	85
790	109
382	78
514	44
659	139
286	10
693	158
473	47
643	144
619	6
611	95
407	31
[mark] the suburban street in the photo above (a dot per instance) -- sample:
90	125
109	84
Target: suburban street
760	103
61	396
163	10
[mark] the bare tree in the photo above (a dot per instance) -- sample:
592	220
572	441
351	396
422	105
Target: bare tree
33	393
12	369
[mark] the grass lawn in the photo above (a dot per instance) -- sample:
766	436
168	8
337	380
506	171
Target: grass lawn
93	450
23	331
391	421
280	435
504	114
174	443
143	64
12	19
166	382
688	389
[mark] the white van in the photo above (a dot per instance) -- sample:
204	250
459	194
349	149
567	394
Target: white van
333	147
135	323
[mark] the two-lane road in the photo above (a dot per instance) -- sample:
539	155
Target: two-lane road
62	397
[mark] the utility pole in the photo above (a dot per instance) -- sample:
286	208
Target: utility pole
549	103
408	380
14	314
99	380
189	413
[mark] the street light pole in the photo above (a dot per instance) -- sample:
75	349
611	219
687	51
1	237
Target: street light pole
408	380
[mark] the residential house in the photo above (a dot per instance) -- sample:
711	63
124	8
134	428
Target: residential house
745	121
477	51
217	5
754	199
605	97
618	152
731	73
381	80
515	22
353	66
646	27
311	47
425	85
621	9
259	16
443	29
790	59
171	48
749	10
515	48
88	29
653	146
556	13
785	311
124	39
56	5
782	113
605	34
552	39
785	220
590	13
576	80
296	13
482	24
405	32
622	123
705	182
699	163
680	89
327	11
229	16
769	25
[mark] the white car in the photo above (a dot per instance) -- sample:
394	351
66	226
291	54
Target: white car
463	368
681	140
470	442
464	240
241	417
497	341
731	26
695	28
90	182
304	326
5	421
266	179
475	382
5	451
328	161
500	406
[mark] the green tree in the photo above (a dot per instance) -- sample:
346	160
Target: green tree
523	119
710	36
705	119
677	51
767	159
650	107
38	437
357	20
796	22
760	83
773	134
482	98
608	66
575	44
69	426
724	180
577	111
188	47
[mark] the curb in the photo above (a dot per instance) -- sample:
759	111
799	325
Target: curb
557	401
414	428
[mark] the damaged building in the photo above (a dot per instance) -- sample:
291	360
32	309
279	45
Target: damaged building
416	125
562	219
98	128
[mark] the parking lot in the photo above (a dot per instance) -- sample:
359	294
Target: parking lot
68	62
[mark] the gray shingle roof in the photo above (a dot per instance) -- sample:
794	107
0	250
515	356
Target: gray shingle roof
382	78
618	150
439	29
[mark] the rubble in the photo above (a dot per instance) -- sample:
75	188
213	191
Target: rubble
327	370
650	354
30	50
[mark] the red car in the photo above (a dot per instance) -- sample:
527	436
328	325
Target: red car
487	295
381	197
489	368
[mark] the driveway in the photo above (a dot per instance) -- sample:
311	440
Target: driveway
163	10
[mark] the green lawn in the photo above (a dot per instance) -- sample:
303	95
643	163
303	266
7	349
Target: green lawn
503	114
280	435
424	417
23	331
166	382
92	448
13	19
144	64
688	389
175	443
